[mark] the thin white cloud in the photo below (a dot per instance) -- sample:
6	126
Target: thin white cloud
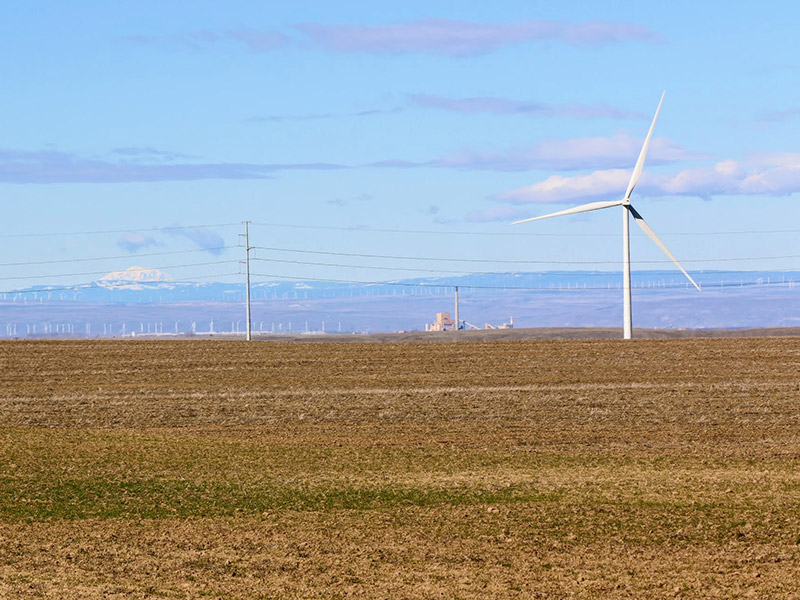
258	41
204	238
506	106
133	242
769	175
148	154
558	188
449	37
458	38
558	155
779	116
126	165
252	39
469	106
324	116
63	167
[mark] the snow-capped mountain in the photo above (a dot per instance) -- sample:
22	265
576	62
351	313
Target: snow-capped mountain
132	278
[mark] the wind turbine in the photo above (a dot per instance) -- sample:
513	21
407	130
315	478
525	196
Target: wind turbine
627	209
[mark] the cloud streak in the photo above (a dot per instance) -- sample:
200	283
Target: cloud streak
252	39
469	106
779	116
324	116
558	155
505	106
148	153
448	37
63	167
457	38
201	237
133	242
767	175
129	165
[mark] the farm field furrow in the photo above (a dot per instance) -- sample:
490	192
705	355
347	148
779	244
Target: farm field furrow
471	469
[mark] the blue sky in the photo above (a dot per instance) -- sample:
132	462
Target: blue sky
414	116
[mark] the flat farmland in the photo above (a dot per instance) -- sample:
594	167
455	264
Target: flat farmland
472	469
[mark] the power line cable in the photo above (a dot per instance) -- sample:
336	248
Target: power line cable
388	230
422	258
512	234
425	231
707	286
378	268
109	231
381	256
126	256
451	271
388	283
502	261
512	287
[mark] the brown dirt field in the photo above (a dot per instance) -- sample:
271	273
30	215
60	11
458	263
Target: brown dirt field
528	333
472	469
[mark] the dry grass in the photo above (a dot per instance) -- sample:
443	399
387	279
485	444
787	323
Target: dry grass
504	469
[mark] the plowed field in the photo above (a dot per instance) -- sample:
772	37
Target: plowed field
503	469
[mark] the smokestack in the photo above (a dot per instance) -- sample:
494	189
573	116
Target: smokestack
458	325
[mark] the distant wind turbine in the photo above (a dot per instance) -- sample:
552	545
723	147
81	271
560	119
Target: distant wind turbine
627	208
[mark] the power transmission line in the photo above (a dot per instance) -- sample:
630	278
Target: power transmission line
100	258
384	230
510	287
502	261
89	286
451	271
512	234
379	268
109	231
382	256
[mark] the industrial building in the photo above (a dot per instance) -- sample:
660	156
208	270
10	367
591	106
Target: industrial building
443	322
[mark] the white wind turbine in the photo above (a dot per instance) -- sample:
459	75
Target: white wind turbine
627	208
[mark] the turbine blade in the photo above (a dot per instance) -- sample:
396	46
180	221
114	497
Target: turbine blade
637	170
571	211
646	228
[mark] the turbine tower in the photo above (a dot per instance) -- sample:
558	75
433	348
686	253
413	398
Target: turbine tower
627	209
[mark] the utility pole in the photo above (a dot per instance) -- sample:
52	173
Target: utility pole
458	323
247	275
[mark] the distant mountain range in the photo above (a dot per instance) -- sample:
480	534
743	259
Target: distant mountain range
141	285
138	300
